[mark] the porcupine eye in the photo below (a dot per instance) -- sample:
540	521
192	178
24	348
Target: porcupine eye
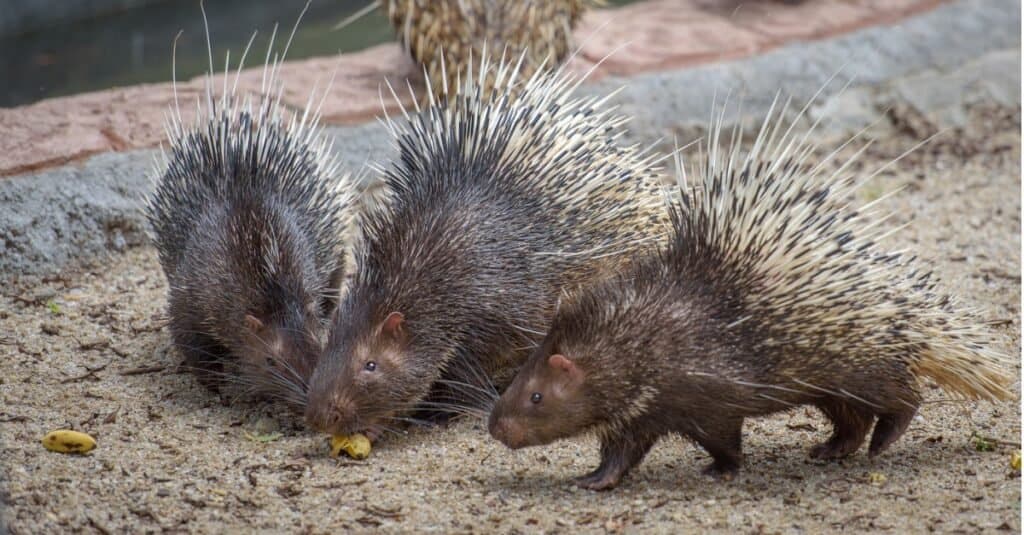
536	397
370	366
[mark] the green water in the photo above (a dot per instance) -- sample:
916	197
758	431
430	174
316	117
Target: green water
134	46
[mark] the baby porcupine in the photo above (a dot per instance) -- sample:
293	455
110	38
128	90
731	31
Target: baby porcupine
447	36
496	204
248	216
771	293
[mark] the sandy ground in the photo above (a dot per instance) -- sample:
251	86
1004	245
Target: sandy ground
88	350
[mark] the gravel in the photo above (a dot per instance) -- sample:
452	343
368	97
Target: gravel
89	350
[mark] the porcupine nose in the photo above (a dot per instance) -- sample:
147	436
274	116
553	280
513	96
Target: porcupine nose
505	431
330	417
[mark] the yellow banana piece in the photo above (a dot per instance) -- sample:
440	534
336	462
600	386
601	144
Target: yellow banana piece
67	441
356	446
1015	460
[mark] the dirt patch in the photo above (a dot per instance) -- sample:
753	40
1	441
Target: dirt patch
90	351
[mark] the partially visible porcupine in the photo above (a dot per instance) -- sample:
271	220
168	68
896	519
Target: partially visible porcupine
496	204
248	217
448	36
771	293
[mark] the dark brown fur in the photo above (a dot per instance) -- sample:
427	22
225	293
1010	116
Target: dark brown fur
248	227
653	353
771	293
460	270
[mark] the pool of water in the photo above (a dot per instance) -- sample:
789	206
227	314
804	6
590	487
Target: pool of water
134	46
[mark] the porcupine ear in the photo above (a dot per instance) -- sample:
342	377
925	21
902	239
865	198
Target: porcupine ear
253	323
392	326
560	362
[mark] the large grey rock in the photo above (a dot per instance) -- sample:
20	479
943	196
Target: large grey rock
52	218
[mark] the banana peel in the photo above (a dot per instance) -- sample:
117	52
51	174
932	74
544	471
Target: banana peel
356	446
67	441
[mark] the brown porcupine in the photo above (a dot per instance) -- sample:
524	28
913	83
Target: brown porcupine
447	36
495	205
771	293
248	216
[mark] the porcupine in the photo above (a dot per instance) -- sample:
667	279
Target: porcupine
772	292
248	216
496	204
447	36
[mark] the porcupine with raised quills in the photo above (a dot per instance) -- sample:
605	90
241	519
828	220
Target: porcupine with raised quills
447	36
248	217
772	292
496	204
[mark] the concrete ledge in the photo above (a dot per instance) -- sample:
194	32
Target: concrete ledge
940	62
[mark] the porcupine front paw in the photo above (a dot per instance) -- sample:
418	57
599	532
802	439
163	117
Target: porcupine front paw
600	479
619	454
721	471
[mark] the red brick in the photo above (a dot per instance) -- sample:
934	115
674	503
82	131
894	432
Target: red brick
60	130
891	10
357	79
660	34
806	20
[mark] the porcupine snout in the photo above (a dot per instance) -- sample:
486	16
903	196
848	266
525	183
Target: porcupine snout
331	416
507	431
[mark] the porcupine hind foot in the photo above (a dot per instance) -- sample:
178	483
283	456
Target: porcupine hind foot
850	426
895	414
618	456
889	428
724	442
